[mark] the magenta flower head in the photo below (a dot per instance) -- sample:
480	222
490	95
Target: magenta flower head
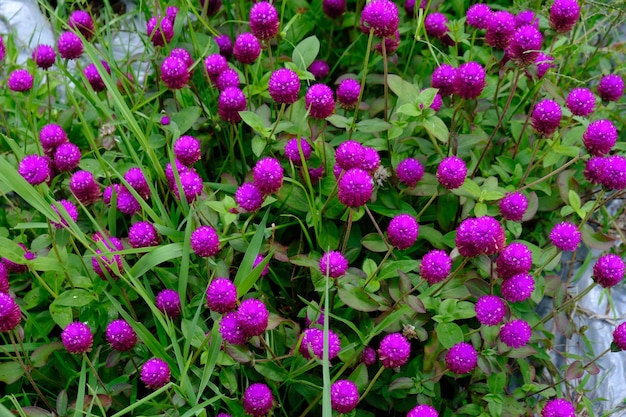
470	80
515	259
350	154
77	338
143	235
565	236
518	288
136	179
15	267
292	150
319	68
260	258
500	30
225	45
247	48
192	185
392	43
516	333
348	93
102	265
525	45
619	336
344	396
333	8
93	76
313	344
563	15
423	410
381	16
513	206
355	188
461	358
436	266
284	86
394	350
183	55
369	356
214	65
258	400
120	335
174	72
168	302
479	16
249	197
613	175
543	63
66	157
69	45
231	329
451	172
253	317
608	270
264	20
127	203
4	279
171	12
69	210
403	231
221	295
35	169
160	30
227	78
187	150
20	80
546	117
436	25
444	78
371	160
480	236
410	171
600	137
611	87
490	310
155	373
525	18
581	102
333	263
44	56
82	21
268	175
10	314
319	100
3	50
51	136
205	242
231	102
558	408
595	169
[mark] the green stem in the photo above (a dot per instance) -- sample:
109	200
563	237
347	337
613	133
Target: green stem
372	382
358	102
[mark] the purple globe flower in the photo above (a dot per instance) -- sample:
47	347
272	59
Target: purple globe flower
35	169
409	7
93	76
369	356
613	175
546	117
500	30
268	175
394	350
214	65
4	279
565	236
423	410
480	236
168	302
525	45
221	295
611	87
444	79
581	102
600	137
479	16
228	78
10	314
403	231
155	373
410	171
344	396
619	336
350	154
594	169
515	259
160	30
461	358
171	12
143	235
293	147
120	335
371	160
436	104
20	80
348	93
563	15
51	136
490	310
543	63
381	16
77	338
264	20
15	267
183	55
258	400
231	329
333	263
165	120
470	80
355	188
436	25
69	45
260	258
82	21
137	180
205	241
127	203
69	210
3	50
247	48
319	68
253	317
558	408
516	333
608	270
66	157
191	183
333	8
249	197
392	43
187	150
451	172
284	86
313	343
518	288
231	102
174	72
102	265
225	44
436	266
44	56
513	206
319	100
525	18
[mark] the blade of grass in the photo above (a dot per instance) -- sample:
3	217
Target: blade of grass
247	276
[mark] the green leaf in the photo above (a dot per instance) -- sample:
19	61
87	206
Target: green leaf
10	372
254	121
62	315
436	127
574	200
258	145
185	118
492	195
374	242
480	209
469	189
156	257
449	334
271	371
405	91
432	235
40	356
426	97
596	240
358	299
338	121
305	52
409	109
247	276
372	126
75	298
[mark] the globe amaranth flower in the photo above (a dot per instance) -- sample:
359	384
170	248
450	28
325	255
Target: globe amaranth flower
410	171
479	16
82	21
563	15
143	235
558	408
319	68
513	206
319	100
525	18
423	410
394	350
187	150
334	264
348	93
20	80
35	169
257	261
44	56
461	358
3	50
225	45
205	241
10	314
69	45
381	16
313	343
51	136
137	180
392	43
515	259
600	137
608	270
228	78
120	335
66	157
155	373
268	175
293	148
403	231
246	48
619	336
102	265
4	279
264	20
15	267
350	154
436	25
369	356
183	55
284	86
371	160
249	197
581	102
214	65
613	175
168	302
451	172
69	210
543	63
174	72
565	236
160	30
490	310
480	236
127	203
355	188
594	169
500	29
436	266
230	103
231	330
333	8
525	45
221	295
171	12
611	87
409	7
517	288
77	338
516	333
253	317
546	117
344	396
470	80
258	400
444	78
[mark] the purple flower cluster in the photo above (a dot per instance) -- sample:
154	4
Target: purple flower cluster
333	263
608	270
461	358
77	338
516	333
264	20
515	259
546	117
312	343
344	396
611	87
205	241
565	236
381	16
250	319
410	171
168	302
518	288
120	335
436	266
513	206
221	295
258	400
355	187
480	236
394	350
403	231
155	373
451	172
10	314
563	15
558	407
284	86
490	310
